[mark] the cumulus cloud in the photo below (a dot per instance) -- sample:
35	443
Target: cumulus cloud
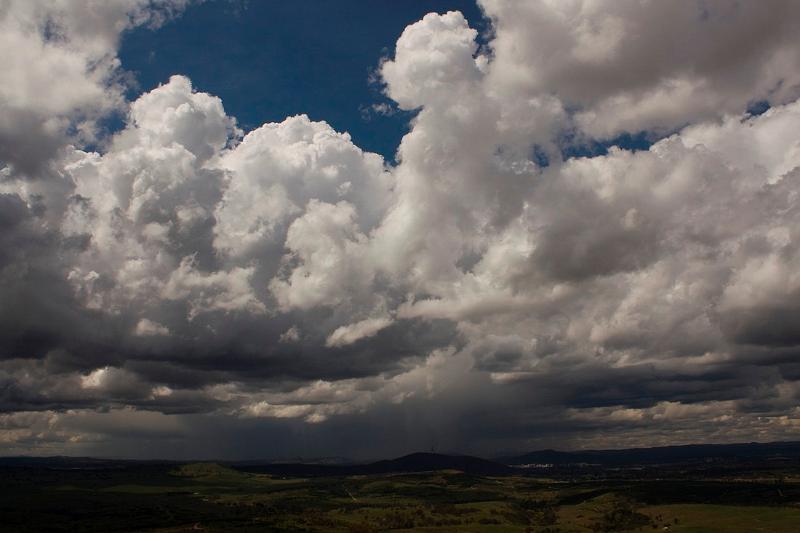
433	61
148	327
279	168
63	73
623	67
351	333
285	282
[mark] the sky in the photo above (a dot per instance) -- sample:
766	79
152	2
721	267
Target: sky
268	60
260	230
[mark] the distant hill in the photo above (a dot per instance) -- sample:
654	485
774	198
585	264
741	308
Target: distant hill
661	455
63	462
764	453
415	462
205	470
423	462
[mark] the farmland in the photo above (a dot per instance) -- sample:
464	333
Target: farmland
211	497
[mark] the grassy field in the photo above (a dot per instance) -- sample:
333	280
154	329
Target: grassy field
209	497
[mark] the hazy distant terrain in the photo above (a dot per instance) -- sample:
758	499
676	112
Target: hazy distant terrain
703	489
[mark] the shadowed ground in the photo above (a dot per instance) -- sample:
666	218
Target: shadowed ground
173	497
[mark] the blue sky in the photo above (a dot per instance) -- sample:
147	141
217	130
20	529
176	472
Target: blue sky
271	59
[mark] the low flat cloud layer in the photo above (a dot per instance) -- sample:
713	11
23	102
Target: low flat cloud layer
184	288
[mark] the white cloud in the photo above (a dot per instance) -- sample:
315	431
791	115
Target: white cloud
433	61
175	114
278	168
146	328
621	66
351	333
217	291
333	268
62	70
290	335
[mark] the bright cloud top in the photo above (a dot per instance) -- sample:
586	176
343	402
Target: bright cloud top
189	271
